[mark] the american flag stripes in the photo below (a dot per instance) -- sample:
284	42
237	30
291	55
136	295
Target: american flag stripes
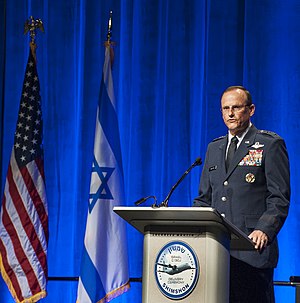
24	214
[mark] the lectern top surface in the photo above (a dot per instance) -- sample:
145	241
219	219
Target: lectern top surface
142	217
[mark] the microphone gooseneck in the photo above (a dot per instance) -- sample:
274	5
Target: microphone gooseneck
165	202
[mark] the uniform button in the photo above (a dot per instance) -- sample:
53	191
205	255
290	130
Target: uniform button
224	199
225	183
223	215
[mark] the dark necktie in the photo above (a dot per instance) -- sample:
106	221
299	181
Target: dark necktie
231	150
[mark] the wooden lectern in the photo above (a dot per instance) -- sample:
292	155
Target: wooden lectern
186	252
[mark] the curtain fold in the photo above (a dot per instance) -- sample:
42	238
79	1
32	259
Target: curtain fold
172	61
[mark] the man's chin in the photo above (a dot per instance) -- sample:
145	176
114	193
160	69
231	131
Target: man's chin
232	127
234	130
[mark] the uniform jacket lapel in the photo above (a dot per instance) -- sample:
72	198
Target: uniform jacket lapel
222	149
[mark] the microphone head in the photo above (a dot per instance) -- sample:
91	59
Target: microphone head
198	161
140	201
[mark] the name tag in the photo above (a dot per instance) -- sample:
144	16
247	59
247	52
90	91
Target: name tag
213	168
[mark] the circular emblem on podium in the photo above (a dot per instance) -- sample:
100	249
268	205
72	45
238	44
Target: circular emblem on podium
176	270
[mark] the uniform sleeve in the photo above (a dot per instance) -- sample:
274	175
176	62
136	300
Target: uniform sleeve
277	173
204	198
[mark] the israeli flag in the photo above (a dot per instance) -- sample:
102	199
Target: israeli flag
104	264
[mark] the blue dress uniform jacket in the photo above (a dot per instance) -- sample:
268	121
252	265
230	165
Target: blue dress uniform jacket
254	193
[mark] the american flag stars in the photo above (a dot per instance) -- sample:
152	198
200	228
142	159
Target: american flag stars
28	135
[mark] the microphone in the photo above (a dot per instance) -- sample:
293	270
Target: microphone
197	162
142	200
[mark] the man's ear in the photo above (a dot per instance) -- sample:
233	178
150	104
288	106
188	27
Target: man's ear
252	109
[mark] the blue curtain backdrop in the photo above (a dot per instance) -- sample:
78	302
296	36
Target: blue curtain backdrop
172	60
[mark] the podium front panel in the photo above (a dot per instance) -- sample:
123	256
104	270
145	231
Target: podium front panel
170	273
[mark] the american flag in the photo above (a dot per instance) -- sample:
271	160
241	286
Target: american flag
24	214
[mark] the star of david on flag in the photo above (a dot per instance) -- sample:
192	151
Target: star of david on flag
104	263
103	191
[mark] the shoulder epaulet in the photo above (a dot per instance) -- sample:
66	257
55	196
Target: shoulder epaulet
219	138
268	133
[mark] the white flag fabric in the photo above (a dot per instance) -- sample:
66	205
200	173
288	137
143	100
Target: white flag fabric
104	264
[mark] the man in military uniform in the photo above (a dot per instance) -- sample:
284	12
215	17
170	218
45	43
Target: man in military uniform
246	178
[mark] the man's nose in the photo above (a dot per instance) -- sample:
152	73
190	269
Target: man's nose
230	112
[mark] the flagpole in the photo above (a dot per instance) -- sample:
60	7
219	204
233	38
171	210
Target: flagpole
109	43
109	28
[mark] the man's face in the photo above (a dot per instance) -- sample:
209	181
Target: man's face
235	112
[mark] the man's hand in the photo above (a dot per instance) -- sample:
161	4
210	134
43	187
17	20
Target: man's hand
259	238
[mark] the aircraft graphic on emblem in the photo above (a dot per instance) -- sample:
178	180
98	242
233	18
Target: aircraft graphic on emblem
174	269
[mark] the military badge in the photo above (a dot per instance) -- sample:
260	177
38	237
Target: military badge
257	145
250	178
254	158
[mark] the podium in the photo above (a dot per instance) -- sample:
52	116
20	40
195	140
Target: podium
186	252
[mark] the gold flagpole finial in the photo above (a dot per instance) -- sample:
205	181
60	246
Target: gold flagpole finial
109	28
108	42
31	25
